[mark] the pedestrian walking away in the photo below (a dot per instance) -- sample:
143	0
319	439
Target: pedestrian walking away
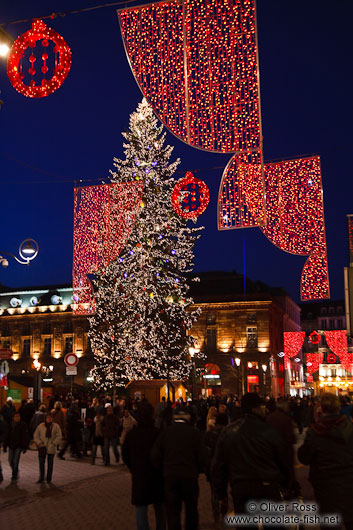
147	481
181	454
17	442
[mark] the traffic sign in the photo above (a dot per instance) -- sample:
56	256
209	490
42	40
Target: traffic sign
71	370
71	359
5	353
4	367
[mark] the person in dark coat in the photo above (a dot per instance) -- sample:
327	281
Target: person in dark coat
328	450
4	428
73	432
17	442
111	431
38	417
298	413
281	421
8	410
147	481
181	454
250	455
219	509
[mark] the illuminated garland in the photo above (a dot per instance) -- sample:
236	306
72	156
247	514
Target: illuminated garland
337	342
103	219
184	197
15	63
196	63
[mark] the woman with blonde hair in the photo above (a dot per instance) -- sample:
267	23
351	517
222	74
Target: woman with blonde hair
211	418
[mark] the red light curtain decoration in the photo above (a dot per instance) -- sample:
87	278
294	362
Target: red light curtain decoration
313	361
103	219
293	341
337	342
196	63
16	61
294	214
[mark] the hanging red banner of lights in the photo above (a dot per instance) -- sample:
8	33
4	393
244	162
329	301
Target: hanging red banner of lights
103	219
197	64
293	342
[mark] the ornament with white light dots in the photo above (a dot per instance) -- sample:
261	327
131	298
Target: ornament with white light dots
190	197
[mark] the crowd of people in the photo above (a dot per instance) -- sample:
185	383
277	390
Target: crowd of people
245	448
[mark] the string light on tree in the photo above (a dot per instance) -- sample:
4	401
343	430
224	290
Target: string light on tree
38	41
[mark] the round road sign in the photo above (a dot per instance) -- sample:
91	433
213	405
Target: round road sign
71	359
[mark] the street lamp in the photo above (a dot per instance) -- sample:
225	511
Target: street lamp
264	368
6	41
192	352
28	250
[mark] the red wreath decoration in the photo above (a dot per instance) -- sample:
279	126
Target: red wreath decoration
314	337
331	358
190	211
39	32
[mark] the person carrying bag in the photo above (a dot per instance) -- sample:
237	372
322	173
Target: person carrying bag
47	436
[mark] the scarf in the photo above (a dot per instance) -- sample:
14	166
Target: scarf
49	427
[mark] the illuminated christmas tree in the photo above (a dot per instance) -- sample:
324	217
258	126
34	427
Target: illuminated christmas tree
139	329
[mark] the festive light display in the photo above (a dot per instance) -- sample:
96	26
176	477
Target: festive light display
196	63
29	40
314	337
293	341
313	361
141	320
294	213
337	342
103	219
241	195
190	197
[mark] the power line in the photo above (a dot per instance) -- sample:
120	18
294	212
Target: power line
71	12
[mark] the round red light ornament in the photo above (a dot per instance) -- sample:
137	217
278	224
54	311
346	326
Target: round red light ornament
181	192
314	337
331	358
39	32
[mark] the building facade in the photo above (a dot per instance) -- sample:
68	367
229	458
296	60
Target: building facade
240	336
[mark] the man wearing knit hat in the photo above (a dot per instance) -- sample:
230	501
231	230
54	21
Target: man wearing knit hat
251	456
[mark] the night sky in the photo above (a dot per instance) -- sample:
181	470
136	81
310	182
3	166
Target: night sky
305	49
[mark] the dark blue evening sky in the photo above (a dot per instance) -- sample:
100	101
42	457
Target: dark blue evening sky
305	49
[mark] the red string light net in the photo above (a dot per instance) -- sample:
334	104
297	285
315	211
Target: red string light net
16	61
103	219
293	342
190	197
294	214
337	342
196	63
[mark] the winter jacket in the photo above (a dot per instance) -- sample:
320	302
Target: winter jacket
18	436
7	411
328	450
4	429
127	423
111	426
249	450
180	451
50	443
73	425
147	481
283	424
38	418
211	439
59	417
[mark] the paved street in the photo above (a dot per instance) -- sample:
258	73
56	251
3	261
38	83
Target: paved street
81	496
